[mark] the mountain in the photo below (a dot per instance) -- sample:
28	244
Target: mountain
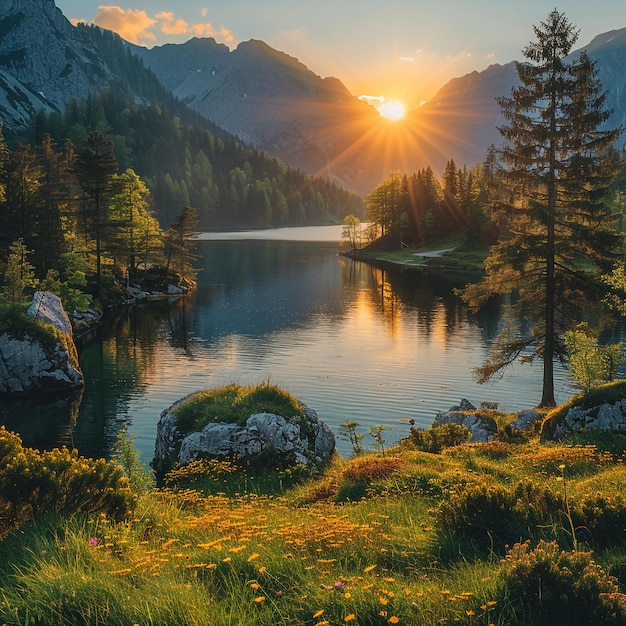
33	76
266	98
275	103
271	101
66	81
462	119
45	62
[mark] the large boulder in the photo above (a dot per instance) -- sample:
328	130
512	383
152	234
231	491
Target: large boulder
610	416
483	429
310	443
43	359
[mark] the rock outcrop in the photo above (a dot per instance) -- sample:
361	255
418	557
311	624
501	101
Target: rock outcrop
482	428
526	420
310	443
610	416
42	361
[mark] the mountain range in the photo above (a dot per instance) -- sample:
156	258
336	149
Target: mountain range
265	97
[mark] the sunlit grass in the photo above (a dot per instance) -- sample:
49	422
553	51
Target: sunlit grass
234	404
360	544
455	255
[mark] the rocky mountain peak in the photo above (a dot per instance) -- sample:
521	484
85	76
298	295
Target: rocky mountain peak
35	76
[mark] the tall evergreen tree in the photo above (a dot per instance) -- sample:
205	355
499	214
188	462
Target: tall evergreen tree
181	243
95	165
22	196
561	233
50	241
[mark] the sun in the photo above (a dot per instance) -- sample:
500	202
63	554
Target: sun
392	110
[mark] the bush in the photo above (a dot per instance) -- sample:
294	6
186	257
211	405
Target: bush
435	439
550	586
600	520
125	453
33	482
360	476
491	517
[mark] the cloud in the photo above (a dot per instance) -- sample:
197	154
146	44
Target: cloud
138	27
372	98
207	30
132	25
171	25
407	59
204	12
75	21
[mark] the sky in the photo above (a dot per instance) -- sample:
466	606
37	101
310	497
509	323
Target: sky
401	50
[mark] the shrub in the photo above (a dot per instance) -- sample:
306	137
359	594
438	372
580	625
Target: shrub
369	468
59	480
590	364
492	516
435	439
125	453
201	475
359	477
550	586
580	460
600	520
495	450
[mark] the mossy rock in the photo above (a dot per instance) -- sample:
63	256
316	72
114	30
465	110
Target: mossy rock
602	408
263	425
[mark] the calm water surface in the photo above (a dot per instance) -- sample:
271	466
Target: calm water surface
349	340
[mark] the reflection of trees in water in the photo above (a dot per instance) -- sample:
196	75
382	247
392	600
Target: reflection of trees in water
117	364
396	293
42	422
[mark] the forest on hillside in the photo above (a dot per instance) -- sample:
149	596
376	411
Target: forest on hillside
185	161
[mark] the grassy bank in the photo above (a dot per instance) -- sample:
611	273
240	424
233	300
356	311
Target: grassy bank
448	254
404	537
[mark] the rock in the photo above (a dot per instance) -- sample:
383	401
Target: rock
482	428
526	420
47	308
608	416
290	442
47	362
86	321
176	290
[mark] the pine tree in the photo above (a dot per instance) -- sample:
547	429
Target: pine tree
136	232
181	243
95	165
19	275
561	233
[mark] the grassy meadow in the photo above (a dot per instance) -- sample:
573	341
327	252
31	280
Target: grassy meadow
431	531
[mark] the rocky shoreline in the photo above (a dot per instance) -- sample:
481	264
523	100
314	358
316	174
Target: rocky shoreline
42	358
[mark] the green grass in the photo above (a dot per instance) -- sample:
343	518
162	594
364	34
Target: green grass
407	537
234	404
458	256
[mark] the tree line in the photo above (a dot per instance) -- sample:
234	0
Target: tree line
549	202
67	215
185	161
419	208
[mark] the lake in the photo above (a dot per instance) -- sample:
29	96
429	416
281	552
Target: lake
349	340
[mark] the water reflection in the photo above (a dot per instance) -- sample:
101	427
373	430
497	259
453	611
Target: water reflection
350	340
